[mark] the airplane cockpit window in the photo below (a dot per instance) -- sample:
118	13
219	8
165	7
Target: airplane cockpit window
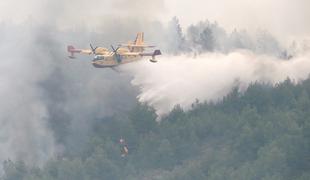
98	57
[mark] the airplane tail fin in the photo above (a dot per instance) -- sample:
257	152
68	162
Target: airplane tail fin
139	39
72	51
70	48
138	43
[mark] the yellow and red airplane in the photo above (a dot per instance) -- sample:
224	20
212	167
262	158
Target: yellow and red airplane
124	53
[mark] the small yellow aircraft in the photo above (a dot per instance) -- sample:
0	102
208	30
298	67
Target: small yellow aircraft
124	53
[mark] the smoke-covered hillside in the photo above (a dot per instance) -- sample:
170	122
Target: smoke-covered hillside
222	102
262	133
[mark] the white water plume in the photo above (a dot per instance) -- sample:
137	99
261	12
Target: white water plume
180	80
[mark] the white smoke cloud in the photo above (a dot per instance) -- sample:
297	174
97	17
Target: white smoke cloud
23	132
46	99
180	80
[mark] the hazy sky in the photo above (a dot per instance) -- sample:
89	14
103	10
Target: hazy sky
282	17
285	18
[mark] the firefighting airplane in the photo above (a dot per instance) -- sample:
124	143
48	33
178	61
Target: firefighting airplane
124	53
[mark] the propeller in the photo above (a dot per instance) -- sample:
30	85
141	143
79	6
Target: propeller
117	56
114	50
93	49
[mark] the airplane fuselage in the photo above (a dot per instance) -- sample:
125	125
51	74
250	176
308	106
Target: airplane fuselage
111	61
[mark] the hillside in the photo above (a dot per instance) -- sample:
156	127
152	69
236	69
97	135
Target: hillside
262	133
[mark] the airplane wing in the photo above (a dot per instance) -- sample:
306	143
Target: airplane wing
98	50
157	52
153	54
134	45
86	51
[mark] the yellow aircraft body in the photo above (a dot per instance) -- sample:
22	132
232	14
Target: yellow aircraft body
124	53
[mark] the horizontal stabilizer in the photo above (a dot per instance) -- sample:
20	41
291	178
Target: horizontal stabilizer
72	50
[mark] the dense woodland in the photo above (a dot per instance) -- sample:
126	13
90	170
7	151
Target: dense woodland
262	133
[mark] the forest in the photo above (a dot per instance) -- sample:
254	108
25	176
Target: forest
261	133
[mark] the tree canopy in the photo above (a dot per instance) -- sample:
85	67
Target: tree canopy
262	133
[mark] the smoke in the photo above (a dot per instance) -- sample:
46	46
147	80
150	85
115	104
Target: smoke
23	115
48	102
180	80
80	14
283	18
